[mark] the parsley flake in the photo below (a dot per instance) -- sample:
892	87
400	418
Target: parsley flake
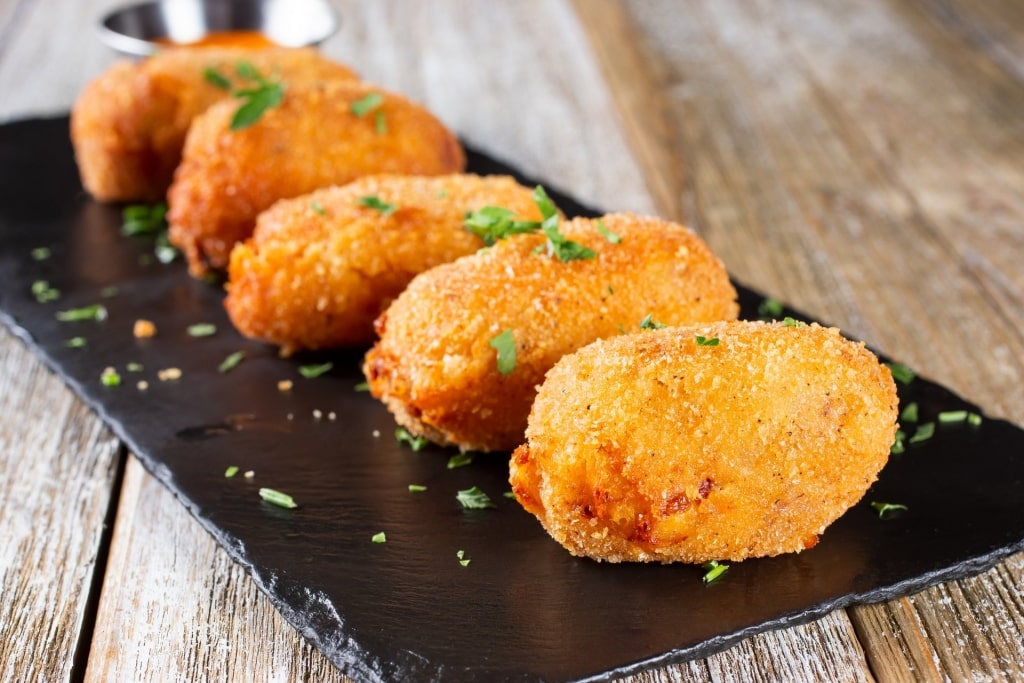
379	537
898	445
714	570
41	253
362	386
792	322
769	308
367	103
884	509
952	416
463	560
312	371
403	435
380	124
143	219
231	362
75	343
901	373
924	432
317	207
43	292
474	499
231	471
93	312
460	460
509	494
493	223
505	345
974	419
704	341
909	413
649	323
216	78
202	330
606	233
108	292
133	367
557	244
275	497
375	202
417	488
110	378
257	100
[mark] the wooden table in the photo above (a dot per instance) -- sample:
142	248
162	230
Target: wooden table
863	161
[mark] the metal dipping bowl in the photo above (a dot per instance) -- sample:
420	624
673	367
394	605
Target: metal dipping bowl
134	29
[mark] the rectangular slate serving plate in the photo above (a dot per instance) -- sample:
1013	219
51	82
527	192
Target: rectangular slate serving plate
523	609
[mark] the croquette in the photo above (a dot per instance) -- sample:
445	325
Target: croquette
129	124
323	135
715	442
321	267
442	364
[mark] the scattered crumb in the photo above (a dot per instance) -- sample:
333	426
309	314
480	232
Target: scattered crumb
142	385
291	416
169	374
376	433
284	385
249	474
332	416
317	414
144	329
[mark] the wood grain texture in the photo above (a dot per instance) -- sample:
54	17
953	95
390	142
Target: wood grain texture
57	468
175	607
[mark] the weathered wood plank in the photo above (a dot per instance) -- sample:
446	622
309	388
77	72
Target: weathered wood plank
176	607
58	466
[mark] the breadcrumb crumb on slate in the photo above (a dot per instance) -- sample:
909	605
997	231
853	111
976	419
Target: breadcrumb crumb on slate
129	124
313	139
321	267
651	447
434	366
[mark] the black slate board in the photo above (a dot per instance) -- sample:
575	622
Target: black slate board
524	609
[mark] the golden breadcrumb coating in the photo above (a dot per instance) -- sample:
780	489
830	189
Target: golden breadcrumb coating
651	447
313	139
434	366
129	124
321	267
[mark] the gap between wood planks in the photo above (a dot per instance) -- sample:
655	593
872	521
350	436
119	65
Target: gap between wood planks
83	647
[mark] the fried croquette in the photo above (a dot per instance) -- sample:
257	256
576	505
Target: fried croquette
661	447
447	340
129	124
318	136
320	268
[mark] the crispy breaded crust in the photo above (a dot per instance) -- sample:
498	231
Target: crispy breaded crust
312	140
435	370
320	268
651	447
129	124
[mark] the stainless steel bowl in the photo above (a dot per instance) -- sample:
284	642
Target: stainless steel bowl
133	29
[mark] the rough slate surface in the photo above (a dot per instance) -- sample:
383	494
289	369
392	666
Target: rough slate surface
523	609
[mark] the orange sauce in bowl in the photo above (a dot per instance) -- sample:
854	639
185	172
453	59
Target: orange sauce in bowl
248	39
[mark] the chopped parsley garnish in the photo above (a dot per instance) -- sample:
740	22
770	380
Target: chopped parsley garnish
143	219
493	223
509	494
417	488
649	323
367	103
231	362
901	373
557	244
311	371
278	498
474	499
108	292
41	253
974	419
884	509
442	193
265	95
909	413
713	570
769	308
898	445
924	432
380	124
43	292
216	78
375	202
402	435
505	345
318	208
460	460
202	330
704	341
231	471
93	312
952	416
606	233
792	322
133	367
362	386
379	537
75	343
463	560
110	378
